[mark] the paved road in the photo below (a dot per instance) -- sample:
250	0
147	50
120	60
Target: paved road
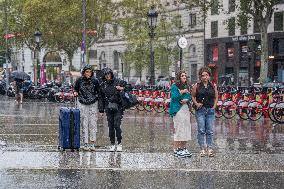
249	154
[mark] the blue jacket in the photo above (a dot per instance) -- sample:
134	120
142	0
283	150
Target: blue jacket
176	97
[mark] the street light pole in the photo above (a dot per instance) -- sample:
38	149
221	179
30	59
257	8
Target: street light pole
152	22
6	41
37	36
83	47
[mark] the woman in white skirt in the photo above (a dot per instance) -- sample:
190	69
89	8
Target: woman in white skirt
180	113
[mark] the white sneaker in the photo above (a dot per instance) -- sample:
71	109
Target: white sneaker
92	147
119	148
85	147
112	148
180	153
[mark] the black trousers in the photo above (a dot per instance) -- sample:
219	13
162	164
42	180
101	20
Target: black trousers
114	122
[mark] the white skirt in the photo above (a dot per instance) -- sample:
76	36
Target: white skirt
182	124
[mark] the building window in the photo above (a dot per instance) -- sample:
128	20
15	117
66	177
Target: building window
244	52
232	5
214	29
115	61
103	32
192	20
192	51
177	21
214	7
256	28
212	53
278	21
244	27
115	29
278	46
230	52
231	26
193	72
93	54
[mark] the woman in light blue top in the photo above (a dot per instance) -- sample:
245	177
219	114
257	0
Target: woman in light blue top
180	113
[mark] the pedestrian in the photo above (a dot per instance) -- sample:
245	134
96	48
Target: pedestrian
180	112
205	97
110	103
87	89
19	90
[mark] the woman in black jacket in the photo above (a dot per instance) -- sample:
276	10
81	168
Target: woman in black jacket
110	102
87	89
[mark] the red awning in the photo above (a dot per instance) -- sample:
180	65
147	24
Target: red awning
8	36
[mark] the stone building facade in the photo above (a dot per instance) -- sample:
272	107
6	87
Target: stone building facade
233	52
107	52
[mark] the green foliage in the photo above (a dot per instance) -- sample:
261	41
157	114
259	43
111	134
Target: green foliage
60	22
136	33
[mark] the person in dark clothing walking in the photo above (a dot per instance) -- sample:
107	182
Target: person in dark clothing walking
110	102
87	89
19	90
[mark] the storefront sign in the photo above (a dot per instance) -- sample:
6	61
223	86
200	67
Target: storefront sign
257	63
231	52
215	53
243	38
244	49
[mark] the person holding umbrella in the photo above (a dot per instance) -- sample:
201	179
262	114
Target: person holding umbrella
19	77
19	90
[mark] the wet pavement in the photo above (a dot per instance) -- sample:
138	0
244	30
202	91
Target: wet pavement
248	154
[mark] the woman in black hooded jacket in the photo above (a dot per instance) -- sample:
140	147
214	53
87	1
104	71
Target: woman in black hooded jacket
110	102
87	89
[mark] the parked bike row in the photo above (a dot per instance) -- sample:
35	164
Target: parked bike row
51	91
248	103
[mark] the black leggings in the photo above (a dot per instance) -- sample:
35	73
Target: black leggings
114	122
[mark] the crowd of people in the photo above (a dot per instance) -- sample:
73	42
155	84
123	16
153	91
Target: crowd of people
102	95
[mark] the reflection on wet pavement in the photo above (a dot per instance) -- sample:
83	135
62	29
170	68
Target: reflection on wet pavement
34	124
62	178
248	153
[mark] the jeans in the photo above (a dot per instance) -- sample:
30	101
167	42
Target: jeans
205	118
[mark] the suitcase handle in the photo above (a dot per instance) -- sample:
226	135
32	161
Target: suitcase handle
76	102
72	129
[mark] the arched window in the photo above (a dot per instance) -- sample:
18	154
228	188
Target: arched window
115	60
192	50
102	60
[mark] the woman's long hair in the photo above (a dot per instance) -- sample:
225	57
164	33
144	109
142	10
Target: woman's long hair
178	82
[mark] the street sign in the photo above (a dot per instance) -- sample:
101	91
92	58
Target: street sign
182	42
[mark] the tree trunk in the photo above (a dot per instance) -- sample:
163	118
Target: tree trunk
264	54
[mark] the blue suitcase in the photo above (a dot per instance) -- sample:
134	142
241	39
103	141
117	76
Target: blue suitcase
69	128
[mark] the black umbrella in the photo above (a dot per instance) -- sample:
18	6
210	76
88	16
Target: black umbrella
20	75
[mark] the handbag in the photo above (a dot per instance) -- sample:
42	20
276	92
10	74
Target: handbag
128	100
112	106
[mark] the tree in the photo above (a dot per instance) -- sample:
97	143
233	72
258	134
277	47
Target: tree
59	21
136	34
